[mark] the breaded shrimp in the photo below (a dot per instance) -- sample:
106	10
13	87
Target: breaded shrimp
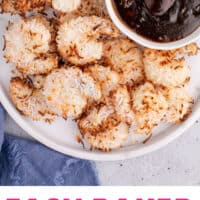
31	49
66	6
126	58
108	114
107	78
79	40
29	101
69	91
122	102
93	7
22	6
110	139
179	102
149	106
80	8
98	119
164	68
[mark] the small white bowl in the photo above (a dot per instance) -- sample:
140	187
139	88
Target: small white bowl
124	28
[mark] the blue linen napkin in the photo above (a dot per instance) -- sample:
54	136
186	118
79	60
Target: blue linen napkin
24	162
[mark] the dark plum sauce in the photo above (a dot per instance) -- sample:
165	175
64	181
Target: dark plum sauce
160	20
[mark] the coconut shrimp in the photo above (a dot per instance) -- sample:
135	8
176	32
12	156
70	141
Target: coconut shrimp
108	113
22	6
69	91
179	102
149	106
164	68
107	78
66	6
109	139
29	101
79	40
125	57
31	50
73	9
93	7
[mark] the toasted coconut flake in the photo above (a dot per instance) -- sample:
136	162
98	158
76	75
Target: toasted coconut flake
79	39
108	114
126	58
99	118
86	8
30	51
7	6
164	68
22	6
68	92
179	102
190	49
29	101
123	104
110	139
107	78
38	81
93	7
149	106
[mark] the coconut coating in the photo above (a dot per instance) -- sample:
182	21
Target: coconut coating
190	49
149	106
66	6
29	101
86	8
110	139
108	114
179	102
22	6
122	102
68	92
107	78
30	51
79	40
126	58
164	68
93	7
98	119
37	81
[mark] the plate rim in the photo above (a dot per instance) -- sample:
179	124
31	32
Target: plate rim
92	155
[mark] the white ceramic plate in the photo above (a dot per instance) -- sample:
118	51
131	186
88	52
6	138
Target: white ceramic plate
61	135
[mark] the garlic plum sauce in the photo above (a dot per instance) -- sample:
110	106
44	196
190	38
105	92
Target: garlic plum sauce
160	20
